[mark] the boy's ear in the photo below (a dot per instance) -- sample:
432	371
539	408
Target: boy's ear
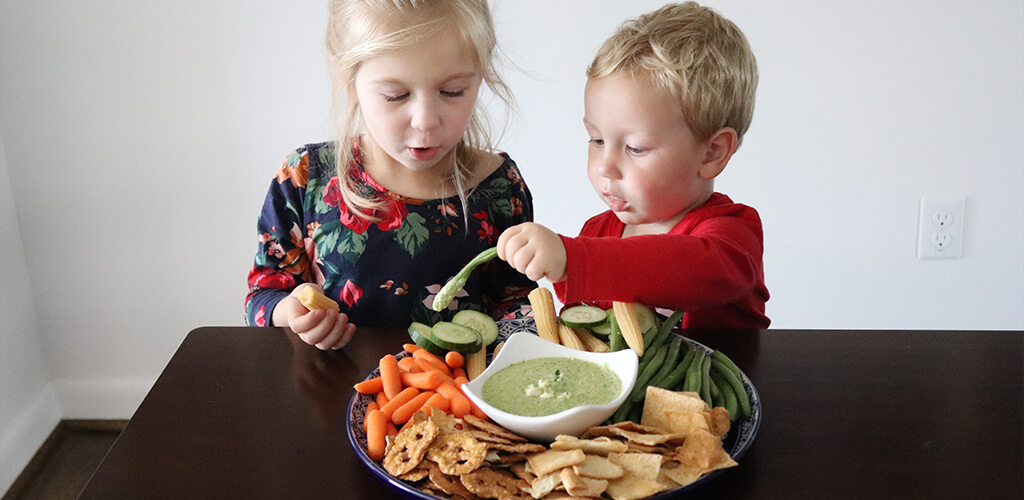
719	149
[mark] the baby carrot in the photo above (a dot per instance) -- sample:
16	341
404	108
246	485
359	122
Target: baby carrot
458	403
459	372
382	399
411	348
435	401
454	359
434	359
370	407
376	434
403	413
370	386
392	430
473	408
408	364
429	379
400	399
389	374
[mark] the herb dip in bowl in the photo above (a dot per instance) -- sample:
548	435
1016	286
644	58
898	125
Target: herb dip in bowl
545	381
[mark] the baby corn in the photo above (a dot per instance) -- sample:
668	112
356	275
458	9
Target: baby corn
314	299
625	314
476	363
567	336
592	343
544	313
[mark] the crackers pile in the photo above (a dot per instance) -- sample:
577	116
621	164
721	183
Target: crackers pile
678	440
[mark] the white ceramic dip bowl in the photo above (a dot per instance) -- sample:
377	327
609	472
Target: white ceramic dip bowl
523	346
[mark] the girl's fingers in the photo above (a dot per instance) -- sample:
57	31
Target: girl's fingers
340	334
321	329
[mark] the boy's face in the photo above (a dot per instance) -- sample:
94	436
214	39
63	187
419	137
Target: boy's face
643	160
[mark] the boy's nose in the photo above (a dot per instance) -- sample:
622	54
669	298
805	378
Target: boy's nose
606	165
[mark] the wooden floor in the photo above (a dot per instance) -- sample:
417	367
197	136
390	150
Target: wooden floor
66	461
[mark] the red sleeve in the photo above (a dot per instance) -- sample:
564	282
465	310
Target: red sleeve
712	258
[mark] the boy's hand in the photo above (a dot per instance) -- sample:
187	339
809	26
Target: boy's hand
533	250
323	328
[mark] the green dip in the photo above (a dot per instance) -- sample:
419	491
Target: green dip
544	386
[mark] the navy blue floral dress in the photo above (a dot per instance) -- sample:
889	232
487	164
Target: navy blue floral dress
384	273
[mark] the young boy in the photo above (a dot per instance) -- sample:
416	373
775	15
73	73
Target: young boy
667	101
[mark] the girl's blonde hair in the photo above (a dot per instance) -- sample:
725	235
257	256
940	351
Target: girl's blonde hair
358	30
696	55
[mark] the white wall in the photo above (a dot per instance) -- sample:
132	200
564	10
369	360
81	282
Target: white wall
141	137
29	407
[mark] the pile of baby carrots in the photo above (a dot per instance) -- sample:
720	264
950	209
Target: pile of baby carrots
420	381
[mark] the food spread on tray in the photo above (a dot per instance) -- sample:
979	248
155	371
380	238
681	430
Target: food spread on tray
669	432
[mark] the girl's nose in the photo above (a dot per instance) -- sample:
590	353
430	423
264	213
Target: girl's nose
425	115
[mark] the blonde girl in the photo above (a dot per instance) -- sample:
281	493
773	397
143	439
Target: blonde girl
410	189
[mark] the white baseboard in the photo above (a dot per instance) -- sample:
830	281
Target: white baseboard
26	433
101	399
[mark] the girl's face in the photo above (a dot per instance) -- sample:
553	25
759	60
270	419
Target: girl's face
643	160
417	102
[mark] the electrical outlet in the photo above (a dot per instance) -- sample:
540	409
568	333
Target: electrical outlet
940	230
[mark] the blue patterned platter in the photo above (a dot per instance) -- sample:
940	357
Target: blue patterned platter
740	438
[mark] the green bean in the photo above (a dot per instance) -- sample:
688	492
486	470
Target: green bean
731	404
622	414
722	358
640	388
615	340
649	338
705	380
737	386
692	383
671	359
678	374
452	287
717	398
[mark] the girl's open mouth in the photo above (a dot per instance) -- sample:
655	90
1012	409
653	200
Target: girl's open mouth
423	154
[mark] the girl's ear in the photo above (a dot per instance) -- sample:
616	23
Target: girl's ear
719	149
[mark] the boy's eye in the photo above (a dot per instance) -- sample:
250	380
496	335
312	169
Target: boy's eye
635	150
597	142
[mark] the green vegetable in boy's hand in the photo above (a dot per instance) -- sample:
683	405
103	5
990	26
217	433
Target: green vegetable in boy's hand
455	284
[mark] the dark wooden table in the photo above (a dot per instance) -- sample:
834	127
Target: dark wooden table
254	413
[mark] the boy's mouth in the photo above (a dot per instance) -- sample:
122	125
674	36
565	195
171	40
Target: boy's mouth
615	203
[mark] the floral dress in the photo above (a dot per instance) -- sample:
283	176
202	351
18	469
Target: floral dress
384	273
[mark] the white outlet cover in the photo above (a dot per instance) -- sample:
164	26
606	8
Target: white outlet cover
940	231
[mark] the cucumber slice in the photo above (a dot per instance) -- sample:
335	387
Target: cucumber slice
605	329
482	323
420	335
455	337
645	316
583	316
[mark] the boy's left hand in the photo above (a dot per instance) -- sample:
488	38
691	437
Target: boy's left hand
533	250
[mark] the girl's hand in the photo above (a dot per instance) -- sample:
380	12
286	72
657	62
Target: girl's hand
323	328
533	250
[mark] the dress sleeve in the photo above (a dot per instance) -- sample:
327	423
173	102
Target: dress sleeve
281	261
507	289
718	262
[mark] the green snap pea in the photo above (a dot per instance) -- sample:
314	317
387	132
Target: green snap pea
615	340
640	388
717	398
705	380
622	413
693	373
737	386
722	358
731	404
678	373
671	359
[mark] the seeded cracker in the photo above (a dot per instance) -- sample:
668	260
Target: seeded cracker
409	447
457	453
495	483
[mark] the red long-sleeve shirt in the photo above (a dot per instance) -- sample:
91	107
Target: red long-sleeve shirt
709	265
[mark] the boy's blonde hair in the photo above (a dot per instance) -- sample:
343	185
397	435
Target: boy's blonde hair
358	30
696	55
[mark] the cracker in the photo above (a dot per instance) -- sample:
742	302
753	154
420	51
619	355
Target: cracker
549	461
631	488
699	450
540	486
518	447
659	400
451	485
597	467
638	465
495	483
687	421
457	453
598	446
650	438
493	428
409	446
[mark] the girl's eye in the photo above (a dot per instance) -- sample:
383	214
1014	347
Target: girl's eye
395	97
453	93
